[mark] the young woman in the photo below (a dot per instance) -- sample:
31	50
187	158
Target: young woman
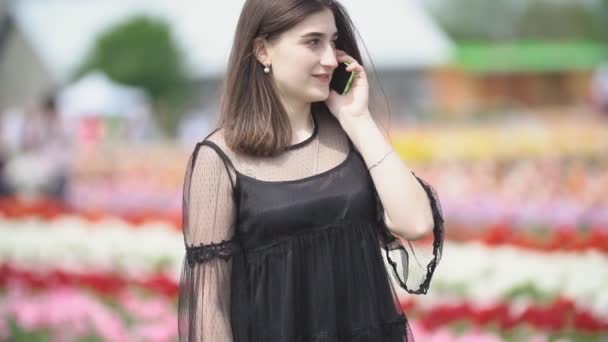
291	201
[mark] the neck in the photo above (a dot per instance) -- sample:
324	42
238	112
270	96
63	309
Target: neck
300	118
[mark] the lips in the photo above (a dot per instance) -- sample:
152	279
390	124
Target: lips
322	77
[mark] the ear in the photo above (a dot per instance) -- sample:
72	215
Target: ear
261	50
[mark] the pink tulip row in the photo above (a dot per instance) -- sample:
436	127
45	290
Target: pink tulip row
541	191
472	335
129	316
70	313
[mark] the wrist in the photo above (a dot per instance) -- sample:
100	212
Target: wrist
355	125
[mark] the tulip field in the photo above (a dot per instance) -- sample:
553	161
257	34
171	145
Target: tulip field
525	256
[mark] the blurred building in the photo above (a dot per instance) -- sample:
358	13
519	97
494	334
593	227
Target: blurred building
24	75
400	37
540	76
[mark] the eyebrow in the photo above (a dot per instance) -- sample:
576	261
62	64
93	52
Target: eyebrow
317	34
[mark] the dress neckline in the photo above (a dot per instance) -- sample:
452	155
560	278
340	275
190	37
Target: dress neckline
306	141
343	163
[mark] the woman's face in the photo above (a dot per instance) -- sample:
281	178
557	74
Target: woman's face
298	55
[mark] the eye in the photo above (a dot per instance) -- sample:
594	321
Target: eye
315	42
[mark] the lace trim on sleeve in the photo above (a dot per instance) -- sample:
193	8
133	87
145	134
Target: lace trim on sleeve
395	245
204	252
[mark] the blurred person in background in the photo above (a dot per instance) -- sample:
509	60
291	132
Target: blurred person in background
289	202
11	126
43	160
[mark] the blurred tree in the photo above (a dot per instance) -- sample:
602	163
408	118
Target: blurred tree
477	20
554	21
508	20
142	52
599	21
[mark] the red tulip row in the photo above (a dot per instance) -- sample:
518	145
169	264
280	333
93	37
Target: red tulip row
565	238
559	315
547	240
14	208
104	283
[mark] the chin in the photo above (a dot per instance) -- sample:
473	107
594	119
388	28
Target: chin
320	95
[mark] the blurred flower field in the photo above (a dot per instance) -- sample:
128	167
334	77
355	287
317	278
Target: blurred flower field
526	256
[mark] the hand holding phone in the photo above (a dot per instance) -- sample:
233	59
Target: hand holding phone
342	80
355	104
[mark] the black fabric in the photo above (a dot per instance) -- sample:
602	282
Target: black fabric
307	263
412	274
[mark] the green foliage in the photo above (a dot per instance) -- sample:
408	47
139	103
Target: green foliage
18	334
142	52
531	56
599	18
509	20
477	20
544	21
531	292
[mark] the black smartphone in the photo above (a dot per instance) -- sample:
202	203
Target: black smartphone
341	79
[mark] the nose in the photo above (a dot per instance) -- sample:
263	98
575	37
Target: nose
328	59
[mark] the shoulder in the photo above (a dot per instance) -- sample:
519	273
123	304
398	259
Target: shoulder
209	164
214	141
209	153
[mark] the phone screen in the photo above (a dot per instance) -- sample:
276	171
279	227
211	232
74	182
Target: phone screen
341	79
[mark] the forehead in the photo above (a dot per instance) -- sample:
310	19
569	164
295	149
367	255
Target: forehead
323	22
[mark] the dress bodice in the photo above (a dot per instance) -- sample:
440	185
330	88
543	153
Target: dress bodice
289	248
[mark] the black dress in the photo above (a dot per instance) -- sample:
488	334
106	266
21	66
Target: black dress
300	259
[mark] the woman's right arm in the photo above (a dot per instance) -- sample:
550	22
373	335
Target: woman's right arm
208	228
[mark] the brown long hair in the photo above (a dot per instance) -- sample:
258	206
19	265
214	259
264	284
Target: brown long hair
253	118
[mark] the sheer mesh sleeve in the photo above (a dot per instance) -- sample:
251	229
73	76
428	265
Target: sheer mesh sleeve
208	228
412	263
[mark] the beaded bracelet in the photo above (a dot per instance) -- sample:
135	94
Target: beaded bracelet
381	159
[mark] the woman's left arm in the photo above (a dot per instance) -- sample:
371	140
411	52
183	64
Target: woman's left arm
407	208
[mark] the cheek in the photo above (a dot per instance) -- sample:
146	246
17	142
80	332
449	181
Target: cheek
298	65
295	72
294	78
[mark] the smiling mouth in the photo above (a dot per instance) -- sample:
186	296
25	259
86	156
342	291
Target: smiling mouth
322	77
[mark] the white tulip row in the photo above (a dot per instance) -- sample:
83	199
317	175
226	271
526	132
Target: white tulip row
467	270
486	274
74	244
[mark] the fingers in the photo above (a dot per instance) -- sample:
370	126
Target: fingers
342	56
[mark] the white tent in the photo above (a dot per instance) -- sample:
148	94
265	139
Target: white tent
397	33
96	95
